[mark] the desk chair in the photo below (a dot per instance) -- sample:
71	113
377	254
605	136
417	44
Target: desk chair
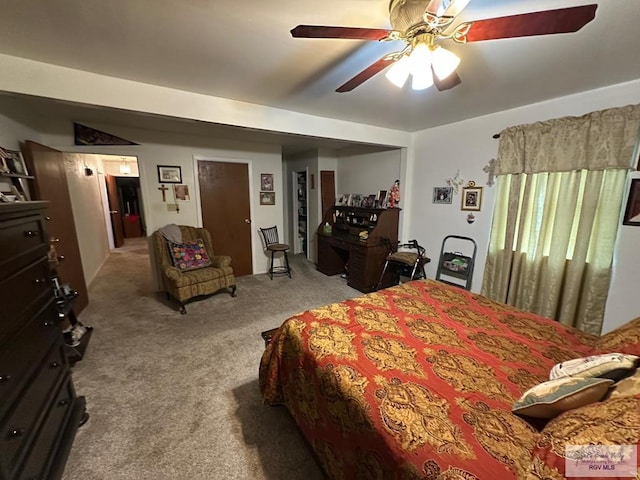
272	244
409	260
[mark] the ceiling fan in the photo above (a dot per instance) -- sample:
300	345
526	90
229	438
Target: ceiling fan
423	24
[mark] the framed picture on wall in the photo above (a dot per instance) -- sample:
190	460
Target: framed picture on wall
181	193
169	174
471	197
442	194
632	212
266	182
267	198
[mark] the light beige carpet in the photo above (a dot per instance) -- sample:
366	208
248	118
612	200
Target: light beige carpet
176	396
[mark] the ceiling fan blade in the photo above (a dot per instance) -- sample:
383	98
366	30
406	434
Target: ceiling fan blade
447	8
548	22
451	81
365	75
355	33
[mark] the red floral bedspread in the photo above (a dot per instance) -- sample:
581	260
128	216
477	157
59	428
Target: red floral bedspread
415	381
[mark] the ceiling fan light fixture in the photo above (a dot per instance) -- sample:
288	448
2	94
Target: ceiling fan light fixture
422	79
399	72
420	58
444	62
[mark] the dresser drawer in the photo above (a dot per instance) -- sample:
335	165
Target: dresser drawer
22	240
20	425
36	465
23	353
23	288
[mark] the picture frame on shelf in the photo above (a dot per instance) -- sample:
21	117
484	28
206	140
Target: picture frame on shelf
355	200
443	195
169	174
382	198
632	212
267	198
266	182
14	162
471	197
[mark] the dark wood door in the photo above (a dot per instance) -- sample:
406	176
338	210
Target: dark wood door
226	211
114	211
50	183
327	190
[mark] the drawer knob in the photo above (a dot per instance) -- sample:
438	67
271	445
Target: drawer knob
31	233
16	432
60	258
63	403
5	378
41	280
54	240
47	323
55	364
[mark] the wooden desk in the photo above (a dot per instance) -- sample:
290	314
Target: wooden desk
342	247
365	259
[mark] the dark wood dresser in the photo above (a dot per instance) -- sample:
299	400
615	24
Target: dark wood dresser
39	409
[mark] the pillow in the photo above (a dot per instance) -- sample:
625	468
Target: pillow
189	256
613	422
610	365
552	397
625	339
627	387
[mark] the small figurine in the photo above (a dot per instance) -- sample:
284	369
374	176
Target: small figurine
394	194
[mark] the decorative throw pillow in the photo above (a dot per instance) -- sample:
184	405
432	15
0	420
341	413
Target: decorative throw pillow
189	255
553	397
610	365
627	387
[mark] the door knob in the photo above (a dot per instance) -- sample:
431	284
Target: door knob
246	220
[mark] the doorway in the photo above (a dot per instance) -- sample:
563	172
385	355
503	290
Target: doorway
226	210
300	213
123	200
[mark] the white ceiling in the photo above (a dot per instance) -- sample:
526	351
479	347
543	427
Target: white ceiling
242	50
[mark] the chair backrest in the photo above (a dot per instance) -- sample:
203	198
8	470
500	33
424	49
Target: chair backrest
270	235
189	234
413	245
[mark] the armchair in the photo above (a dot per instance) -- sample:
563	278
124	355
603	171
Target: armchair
184	284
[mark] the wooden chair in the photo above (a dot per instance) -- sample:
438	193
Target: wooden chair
272	244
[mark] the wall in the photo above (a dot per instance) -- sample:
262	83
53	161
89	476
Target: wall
367	172
468	146
88	212
165	148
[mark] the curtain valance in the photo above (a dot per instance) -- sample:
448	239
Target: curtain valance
595	141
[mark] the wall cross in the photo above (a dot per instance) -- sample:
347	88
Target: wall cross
163	188
490	169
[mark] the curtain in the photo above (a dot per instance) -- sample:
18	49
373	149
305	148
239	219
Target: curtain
559	198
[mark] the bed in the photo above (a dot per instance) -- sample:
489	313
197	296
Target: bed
418	381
